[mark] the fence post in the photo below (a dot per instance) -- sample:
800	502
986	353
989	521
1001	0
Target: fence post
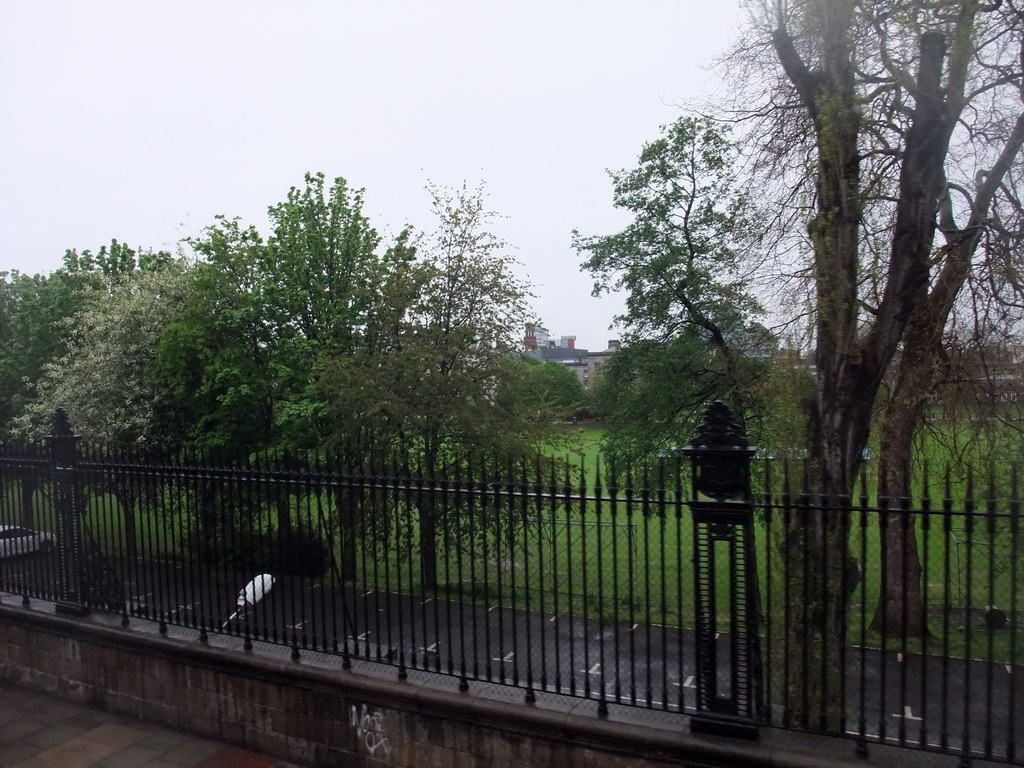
64	475
724	545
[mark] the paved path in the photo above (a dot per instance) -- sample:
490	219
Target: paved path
39	731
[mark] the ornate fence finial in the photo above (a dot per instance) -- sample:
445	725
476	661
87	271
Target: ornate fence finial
721	454
62	424
719	429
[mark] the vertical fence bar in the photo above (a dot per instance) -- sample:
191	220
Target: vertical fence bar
550	522
613	495
472	516
804	513
373	504
631	584
439	517
150	509
645	516
528	610
926	503
844	510
545	560
991	512
458	502
602	704
486	555
947	531
965	741
767	600
861	749
663	607
577	591
1015	586
680	634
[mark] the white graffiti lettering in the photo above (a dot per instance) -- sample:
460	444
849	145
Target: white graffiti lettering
370	729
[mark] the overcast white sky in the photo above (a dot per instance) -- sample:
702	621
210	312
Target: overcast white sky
142	120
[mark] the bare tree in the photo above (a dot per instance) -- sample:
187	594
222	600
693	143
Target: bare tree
890	124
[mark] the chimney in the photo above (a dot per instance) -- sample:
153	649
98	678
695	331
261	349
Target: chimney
614	344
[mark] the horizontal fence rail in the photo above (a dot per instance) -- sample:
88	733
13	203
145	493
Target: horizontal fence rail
620	586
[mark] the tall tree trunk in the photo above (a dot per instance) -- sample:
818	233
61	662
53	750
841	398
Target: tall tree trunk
283	502
852	356
901	609
815	545
346	515
127	499
428	519
28	490
855	348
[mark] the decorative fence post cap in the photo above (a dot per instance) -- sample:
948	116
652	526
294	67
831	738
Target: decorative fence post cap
718	430
721	454
62	424
63	440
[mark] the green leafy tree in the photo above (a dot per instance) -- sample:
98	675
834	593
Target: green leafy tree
553	385
687	302
265	315
433	376
34	312
650	393
438	338
105	379
324	254
216	358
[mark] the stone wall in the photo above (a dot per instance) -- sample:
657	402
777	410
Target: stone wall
323	716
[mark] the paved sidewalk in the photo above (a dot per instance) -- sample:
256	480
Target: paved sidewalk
39	731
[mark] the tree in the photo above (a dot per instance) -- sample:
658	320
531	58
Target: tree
688	304
649	393
264	317
325	270
265	314
34	312
554	385
104	378
434	372
906	108
440	342
215	356
884	94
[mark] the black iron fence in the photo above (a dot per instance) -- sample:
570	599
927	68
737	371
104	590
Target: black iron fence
714	584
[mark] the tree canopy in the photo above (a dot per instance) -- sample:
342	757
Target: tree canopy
317	334
689	306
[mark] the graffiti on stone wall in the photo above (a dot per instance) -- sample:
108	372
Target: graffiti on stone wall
370	729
